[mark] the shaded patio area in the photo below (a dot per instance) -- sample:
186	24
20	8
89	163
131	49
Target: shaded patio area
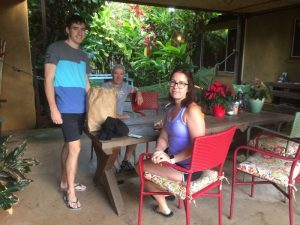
41	202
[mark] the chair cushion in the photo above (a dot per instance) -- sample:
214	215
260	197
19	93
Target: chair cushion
269	168
276	144
178	188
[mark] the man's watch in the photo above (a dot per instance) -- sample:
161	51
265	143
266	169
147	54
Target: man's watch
172	159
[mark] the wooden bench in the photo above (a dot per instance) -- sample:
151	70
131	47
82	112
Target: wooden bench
99	79
286	97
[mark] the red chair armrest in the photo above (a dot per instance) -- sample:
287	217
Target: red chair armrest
263	152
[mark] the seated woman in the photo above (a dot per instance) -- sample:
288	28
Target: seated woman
183	122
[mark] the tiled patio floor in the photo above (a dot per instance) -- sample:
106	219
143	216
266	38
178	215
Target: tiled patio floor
41	202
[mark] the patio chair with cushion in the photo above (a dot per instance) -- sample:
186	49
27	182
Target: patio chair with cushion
271	140
276	165
209	154
150	102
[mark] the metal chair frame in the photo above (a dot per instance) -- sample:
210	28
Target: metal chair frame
288	193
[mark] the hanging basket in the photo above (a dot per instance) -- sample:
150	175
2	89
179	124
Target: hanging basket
218	111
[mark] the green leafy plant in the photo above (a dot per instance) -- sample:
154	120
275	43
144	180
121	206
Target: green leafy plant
12	172
204	77
259	90
145	39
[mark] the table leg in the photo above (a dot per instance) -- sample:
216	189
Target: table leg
105	176
113	192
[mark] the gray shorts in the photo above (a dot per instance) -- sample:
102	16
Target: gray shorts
72	126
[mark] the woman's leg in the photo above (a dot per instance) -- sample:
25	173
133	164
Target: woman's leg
161	170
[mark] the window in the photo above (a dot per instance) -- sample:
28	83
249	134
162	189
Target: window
296	39
218	45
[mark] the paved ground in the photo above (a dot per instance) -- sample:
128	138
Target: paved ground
41	202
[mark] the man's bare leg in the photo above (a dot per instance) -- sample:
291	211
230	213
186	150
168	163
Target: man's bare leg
64	155
129	151
71	169
126	165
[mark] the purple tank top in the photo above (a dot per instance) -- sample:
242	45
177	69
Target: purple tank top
178	135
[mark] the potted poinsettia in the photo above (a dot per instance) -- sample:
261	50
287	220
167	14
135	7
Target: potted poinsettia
217	97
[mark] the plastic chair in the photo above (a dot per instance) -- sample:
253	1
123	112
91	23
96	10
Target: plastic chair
271	166
150	102
209	154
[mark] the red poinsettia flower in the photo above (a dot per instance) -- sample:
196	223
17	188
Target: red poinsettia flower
218	94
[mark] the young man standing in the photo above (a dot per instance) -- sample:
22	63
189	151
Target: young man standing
66	85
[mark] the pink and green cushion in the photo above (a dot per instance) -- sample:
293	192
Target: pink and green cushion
178	188
277	145
269	168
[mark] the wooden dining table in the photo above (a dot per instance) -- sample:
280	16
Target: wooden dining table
107	151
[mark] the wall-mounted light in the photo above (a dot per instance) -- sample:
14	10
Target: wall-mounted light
171	9
179	38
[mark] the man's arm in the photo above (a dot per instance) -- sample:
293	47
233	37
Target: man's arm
50	93
138	97
88	85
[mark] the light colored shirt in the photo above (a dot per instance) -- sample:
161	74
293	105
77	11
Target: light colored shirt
122	92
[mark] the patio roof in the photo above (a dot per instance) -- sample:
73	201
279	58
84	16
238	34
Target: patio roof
224	6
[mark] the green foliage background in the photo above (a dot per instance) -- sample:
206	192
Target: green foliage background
143	38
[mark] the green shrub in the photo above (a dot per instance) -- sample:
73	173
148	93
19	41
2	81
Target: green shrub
12	172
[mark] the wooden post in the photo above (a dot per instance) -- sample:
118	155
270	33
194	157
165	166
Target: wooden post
43	11
239	50
2	53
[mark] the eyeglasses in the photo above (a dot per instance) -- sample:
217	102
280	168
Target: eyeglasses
180	84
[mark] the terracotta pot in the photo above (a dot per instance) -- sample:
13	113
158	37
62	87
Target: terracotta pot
218	110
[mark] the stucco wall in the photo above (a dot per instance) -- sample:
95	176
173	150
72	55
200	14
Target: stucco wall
267	49
17	87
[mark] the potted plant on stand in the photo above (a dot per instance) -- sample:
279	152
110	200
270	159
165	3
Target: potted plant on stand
257	94
217	97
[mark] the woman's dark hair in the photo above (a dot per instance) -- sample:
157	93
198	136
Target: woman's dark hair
74	19
191	94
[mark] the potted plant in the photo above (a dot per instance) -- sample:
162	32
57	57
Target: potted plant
257	93
217	97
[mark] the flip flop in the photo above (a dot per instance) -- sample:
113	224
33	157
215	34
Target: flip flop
70	205
77	186
155	209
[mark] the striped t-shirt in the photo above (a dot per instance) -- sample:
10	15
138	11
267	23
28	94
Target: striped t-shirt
72	65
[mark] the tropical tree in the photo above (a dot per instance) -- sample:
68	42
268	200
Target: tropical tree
149	41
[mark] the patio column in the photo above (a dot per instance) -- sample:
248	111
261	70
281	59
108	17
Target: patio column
239	49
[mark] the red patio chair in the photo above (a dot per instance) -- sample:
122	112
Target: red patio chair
274	166
209	154
150	102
